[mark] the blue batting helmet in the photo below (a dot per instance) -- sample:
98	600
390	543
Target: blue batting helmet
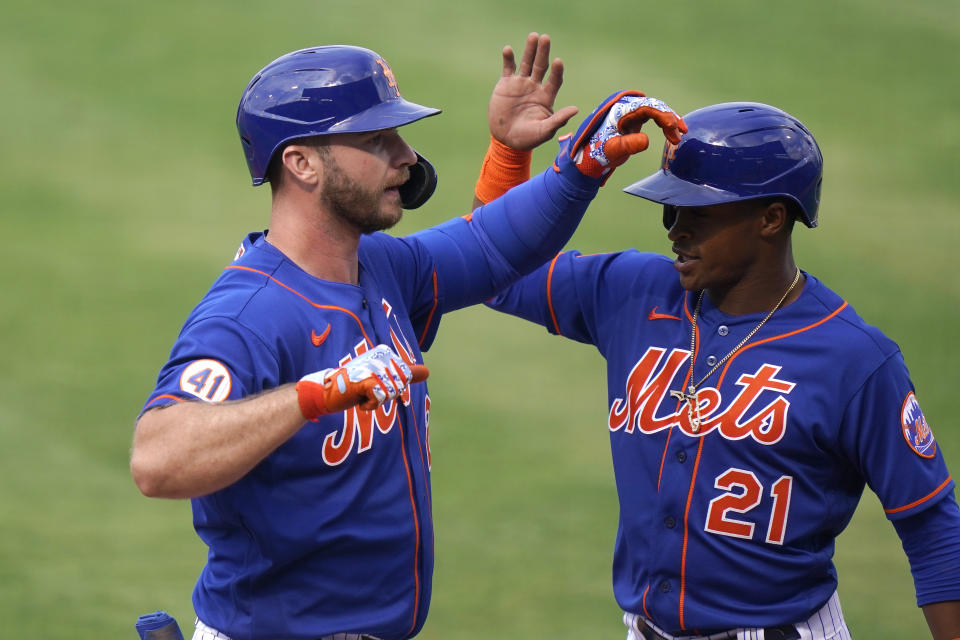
737	151
320	91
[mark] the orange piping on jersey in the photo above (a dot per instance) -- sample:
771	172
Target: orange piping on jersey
686	309
468	216
686	381
426	326
311	302
643	602
663	458
553	315
416	529
553	263
686	517
591	255
423	460
784	335
921	500
167	396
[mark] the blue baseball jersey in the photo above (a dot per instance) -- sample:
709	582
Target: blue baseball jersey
731	523
333	532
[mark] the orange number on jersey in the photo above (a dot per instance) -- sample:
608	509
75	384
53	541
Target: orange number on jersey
780	491
746	498
744	493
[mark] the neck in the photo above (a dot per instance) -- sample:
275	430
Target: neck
316	241
758	291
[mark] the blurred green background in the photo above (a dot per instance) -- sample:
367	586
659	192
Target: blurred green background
124	191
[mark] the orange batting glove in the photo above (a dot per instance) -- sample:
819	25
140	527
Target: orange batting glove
602	146
368	380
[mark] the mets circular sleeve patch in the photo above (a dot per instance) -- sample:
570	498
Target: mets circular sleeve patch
916	431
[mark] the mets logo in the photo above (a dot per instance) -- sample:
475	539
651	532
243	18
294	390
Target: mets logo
916	431
388	74
359	426
747	415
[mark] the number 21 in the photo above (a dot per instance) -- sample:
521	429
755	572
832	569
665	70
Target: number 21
743	493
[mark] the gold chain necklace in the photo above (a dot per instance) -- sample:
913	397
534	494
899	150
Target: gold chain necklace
690	397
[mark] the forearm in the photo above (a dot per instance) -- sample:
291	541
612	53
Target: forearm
943	618
530	224
932	545
194	448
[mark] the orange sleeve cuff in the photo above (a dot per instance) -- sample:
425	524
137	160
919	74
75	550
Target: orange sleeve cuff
312	400
503	168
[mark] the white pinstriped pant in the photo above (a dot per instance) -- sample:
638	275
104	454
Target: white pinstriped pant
203	632
825	624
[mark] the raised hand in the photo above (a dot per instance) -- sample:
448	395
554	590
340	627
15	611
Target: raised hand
521	112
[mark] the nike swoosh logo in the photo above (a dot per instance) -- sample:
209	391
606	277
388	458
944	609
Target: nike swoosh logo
318	340
660	316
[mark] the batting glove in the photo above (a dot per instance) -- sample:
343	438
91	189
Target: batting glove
611	134
368	380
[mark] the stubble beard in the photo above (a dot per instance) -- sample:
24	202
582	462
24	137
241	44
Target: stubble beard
354	204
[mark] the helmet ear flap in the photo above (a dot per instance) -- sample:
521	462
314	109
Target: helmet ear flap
421	185
669	216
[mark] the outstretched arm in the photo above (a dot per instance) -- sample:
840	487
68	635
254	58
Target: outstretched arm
520	113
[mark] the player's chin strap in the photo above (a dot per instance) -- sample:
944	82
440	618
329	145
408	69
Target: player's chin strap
421	185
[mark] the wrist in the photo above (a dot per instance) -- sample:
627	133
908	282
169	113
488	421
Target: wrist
312	399
503	168
578	183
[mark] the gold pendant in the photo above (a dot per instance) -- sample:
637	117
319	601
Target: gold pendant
693	406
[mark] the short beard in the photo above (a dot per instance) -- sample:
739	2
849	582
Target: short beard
352	203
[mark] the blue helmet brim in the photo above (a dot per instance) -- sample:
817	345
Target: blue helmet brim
386	115
665	188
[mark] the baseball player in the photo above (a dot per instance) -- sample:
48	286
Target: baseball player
749	404
287	411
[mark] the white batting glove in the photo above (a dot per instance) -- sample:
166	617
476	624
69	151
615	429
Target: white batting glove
369	380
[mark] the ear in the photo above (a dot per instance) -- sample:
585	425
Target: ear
774	219
303	163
